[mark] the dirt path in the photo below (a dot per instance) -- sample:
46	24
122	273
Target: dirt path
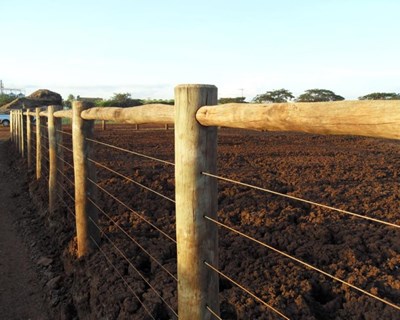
20	292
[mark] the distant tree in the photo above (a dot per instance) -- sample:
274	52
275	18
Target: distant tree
381	96
67	104
122	100
232	100
7	98
161	101
274	96
318	95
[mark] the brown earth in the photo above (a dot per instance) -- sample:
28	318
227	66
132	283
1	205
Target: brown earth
351	173
21	294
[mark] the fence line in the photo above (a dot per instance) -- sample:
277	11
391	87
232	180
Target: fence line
300	200
123	279
303	263
195	117
133	267
134	241
133	211
130	151
246	290
130	180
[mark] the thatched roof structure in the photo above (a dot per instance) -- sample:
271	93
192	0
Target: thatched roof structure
39	98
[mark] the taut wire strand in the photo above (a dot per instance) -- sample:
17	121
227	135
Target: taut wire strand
131	180
66	178
65	205
134	268
123	279
213	313
301	200
66	191
65	162
64	132
304	263
133	211
132	239
65	148
131	152
246	290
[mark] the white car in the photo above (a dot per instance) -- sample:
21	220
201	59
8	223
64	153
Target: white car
5	120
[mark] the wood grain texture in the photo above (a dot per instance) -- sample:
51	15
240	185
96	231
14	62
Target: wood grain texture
86	212
377	118
52	127
196	196
39	142
63	114
150	113
22	134
29	138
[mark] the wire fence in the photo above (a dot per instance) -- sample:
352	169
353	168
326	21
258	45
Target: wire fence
127	222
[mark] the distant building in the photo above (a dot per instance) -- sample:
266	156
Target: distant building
89	99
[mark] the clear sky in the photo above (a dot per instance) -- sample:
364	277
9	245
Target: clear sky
146	47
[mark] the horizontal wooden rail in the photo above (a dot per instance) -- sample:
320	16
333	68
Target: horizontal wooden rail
29	113
44	114
63	114
149	113
379	118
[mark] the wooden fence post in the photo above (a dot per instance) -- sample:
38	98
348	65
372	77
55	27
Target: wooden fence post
103	125
86	212
29	137
14	127
54	162
196	196
11	126
60	153
38	144
23	133
19	131
16	130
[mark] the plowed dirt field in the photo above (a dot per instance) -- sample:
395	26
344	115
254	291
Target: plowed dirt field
355	174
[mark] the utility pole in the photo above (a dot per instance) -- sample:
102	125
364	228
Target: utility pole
241	89
10	90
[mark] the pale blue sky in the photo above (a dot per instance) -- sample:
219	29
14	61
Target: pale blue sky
96	48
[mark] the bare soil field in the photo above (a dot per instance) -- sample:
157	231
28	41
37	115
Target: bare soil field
357	174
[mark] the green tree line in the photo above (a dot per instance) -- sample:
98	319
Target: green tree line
317	95
124	100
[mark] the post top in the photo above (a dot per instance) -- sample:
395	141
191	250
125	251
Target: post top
195	86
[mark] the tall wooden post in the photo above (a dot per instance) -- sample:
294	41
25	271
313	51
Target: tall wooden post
29	137
86	212
16	129
103	125
19	130
60	153
196	196
22	133
53	160
11	126
38	144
